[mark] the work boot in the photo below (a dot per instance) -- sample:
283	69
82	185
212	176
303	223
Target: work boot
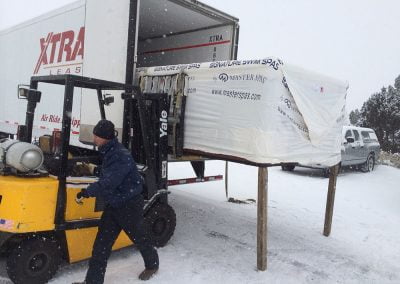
147	274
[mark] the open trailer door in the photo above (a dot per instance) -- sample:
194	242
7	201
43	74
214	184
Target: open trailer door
156	32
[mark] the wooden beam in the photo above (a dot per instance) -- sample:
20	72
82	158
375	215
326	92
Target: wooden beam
330	200
262	203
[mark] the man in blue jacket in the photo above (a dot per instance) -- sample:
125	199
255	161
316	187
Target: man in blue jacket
120	185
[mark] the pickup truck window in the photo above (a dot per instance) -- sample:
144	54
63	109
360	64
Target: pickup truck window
356	135
348	134
365	135
372	135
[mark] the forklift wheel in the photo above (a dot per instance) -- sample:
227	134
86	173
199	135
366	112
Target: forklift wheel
34	261
159	223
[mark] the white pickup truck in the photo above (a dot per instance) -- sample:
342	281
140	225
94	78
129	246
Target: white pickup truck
360	148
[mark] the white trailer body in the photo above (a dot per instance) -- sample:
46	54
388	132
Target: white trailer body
51	44
90	38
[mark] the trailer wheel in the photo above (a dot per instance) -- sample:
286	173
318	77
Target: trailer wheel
34	261
159	224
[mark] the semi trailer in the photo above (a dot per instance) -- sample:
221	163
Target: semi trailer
58	63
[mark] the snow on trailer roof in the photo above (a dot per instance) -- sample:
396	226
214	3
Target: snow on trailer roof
260	112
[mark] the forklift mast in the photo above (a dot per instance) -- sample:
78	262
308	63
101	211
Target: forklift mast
153	151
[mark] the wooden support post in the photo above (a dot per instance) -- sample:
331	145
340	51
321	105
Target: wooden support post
226	179
330	200
262	203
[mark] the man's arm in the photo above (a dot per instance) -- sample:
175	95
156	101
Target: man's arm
112	176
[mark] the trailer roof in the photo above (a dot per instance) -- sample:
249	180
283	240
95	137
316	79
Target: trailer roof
158	18
69	7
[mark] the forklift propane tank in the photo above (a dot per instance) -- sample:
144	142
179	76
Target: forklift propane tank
22	156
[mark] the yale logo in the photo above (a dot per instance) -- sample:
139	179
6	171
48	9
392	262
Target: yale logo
164	123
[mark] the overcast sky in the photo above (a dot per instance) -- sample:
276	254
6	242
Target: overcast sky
353	40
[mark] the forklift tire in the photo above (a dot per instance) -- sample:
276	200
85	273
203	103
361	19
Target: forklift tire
34	261
159	224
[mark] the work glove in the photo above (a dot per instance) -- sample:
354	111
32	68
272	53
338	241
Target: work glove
80	196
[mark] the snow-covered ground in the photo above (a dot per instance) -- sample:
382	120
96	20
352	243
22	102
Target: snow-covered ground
215	241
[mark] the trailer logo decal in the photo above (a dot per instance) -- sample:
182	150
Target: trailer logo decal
216	38
61	47
54	118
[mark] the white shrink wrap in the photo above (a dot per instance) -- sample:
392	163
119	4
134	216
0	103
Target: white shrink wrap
257	111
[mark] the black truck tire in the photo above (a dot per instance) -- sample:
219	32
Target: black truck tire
34	261
159	224
369	164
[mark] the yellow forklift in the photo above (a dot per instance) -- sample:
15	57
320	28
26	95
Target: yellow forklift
41	224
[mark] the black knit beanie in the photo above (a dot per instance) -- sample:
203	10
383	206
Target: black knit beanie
104	129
